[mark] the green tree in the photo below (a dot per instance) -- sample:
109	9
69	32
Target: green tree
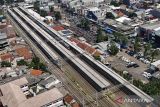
154	53
1	2
114	3
147	49
132	14
36	6
84	24
113	49
9	1
58	16
101	36
35	60
5	64
137	46
22	62
51	9
42	67
97	58
34	63
124	40
43	13
138	83
110	15
117	36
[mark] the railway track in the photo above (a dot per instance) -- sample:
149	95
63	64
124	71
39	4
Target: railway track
88	95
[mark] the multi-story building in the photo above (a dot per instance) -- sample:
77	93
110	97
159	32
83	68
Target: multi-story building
3	41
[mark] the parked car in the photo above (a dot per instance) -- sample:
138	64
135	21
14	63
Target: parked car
147	75
132	64
135	65
131	53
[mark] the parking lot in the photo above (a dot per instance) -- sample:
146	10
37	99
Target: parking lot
120	65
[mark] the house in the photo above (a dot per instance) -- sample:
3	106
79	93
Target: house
36	72
6	57
75	104
94	13
24	52
85	46
58	28
13	94
123	19
49	82
103	46
70	101
3	41
151	31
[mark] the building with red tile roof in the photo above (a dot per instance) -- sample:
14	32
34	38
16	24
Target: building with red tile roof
85	46
74	40
82	45
36	72
6	57
90	50
58	28
75	104
24	52
68	99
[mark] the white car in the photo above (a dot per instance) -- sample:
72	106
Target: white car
147	75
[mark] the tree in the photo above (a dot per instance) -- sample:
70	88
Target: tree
114	3
84	24
147	49
130	15
137	46
113	49
9	1
5	64
35	60
43	13
36	6
154	53
42	67
22	62
124	40
58	16
117	36
97	58
101	36
110	15
34	63
51	9
1	2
